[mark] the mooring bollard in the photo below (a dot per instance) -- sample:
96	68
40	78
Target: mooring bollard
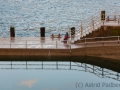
42	31
12	32
103	16
73	32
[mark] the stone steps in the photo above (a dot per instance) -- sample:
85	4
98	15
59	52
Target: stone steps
101	32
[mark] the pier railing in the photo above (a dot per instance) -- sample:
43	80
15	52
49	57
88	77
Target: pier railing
93	23
48	43
39	43
88	25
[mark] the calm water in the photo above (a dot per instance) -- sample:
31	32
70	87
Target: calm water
57	75
27	16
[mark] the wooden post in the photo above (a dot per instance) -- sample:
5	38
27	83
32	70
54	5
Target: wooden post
103	16
73	32
12	32
42	31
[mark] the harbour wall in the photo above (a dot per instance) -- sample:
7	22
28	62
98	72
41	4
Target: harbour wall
108	52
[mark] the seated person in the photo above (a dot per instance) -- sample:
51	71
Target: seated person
66	36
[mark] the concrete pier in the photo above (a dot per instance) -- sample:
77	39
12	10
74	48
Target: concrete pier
108	52
36	48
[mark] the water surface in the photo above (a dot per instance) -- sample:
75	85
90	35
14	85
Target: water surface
27	16
56	75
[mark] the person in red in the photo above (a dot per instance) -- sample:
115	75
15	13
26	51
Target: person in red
66	36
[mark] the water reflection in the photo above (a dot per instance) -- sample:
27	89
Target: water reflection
97	70
28	83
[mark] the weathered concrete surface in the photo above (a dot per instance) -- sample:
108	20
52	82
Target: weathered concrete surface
111	52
